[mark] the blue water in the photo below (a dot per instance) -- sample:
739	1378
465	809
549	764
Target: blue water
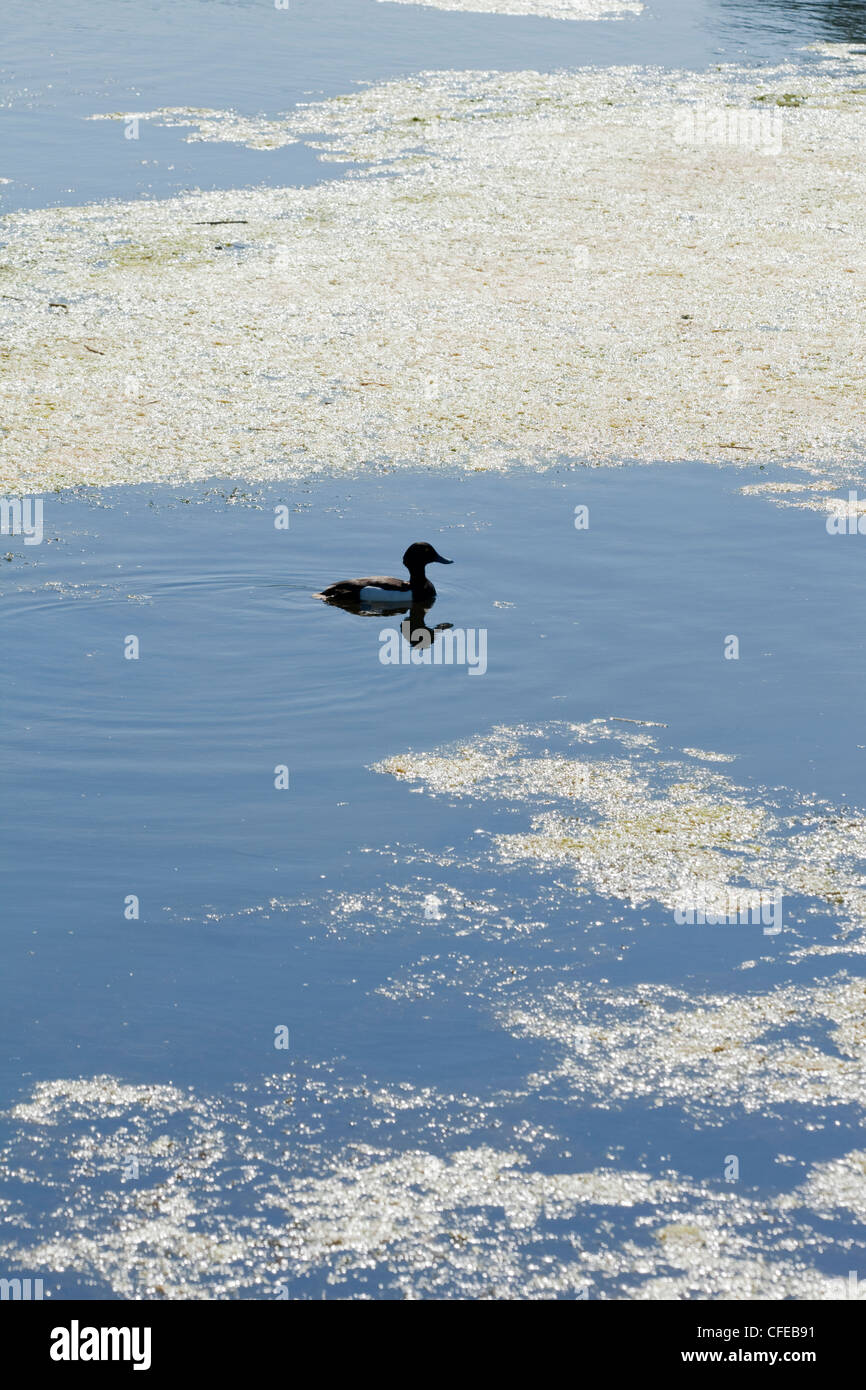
155	777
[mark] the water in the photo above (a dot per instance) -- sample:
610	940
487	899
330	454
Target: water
453	1004
155	776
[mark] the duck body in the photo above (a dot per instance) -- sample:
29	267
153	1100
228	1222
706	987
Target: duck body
379	588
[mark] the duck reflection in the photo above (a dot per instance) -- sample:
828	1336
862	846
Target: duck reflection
414	627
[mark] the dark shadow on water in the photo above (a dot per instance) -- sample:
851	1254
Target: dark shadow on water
841	21
414	628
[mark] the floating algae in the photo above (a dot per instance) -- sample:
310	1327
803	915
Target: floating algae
162	1191
542	9
552	267
645	828
224	1204
207	124
712	1055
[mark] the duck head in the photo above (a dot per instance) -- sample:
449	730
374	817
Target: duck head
421	554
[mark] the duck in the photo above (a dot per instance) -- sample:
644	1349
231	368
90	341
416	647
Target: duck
387	589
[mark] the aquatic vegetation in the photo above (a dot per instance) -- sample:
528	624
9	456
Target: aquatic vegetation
520	268
782	99
206	124
712	1055
164	1191
650	827
544	9
210	1197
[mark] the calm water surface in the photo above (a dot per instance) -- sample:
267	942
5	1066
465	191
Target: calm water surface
155	776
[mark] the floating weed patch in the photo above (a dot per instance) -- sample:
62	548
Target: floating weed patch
711	1055
633	823
541	9
650	829
616	292
244	1195
260	1190
162	253
785	98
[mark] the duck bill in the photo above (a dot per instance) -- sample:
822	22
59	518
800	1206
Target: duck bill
441	560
